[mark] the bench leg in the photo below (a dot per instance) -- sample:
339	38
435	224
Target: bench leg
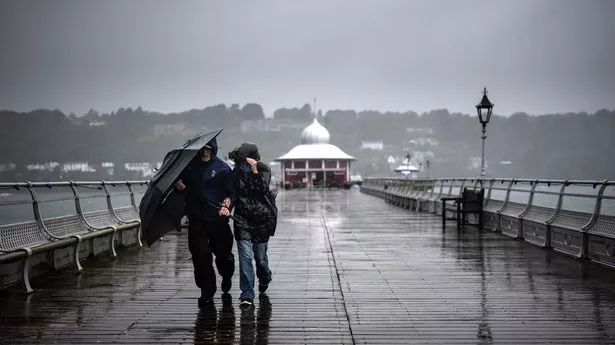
25	271
112	243
584	246
548	237
139	243
480	220
52	257
76	254
443	214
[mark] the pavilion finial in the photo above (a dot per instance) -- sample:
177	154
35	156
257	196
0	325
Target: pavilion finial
314	109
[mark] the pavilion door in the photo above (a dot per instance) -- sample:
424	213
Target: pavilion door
331	178
317	178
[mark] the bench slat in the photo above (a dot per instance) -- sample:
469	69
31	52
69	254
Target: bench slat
20	235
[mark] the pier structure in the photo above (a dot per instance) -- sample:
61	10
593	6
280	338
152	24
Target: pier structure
369	266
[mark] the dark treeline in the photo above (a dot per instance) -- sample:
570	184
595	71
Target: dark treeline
575	145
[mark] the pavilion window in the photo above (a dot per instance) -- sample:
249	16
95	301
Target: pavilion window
315	164
330	164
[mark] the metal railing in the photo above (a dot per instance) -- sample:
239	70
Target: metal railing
574	217
38	217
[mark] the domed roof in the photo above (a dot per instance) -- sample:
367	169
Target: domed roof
315	134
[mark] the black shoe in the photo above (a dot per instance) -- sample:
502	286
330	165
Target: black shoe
246	302
205	302
227	298
226	284
263	287
263	301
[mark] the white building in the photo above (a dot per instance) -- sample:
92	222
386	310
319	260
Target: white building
407	170
315	161
372	145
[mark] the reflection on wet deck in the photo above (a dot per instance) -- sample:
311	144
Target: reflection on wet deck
347	268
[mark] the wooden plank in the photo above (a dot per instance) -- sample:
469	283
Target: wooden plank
347	269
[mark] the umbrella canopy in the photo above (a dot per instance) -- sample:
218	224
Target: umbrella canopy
162	207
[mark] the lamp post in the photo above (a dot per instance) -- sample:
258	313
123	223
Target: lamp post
484	109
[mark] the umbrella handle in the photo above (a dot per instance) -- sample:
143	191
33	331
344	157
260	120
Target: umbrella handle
218	207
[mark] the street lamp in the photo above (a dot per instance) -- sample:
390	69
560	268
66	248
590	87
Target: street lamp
484	109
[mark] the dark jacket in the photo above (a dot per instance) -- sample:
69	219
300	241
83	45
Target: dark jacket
207	182
255	216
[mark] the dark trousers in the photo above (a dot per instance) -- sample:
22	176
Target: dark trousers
205	238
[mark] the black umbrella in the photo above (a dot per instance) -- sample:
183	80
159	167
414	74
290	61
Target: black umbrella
162	206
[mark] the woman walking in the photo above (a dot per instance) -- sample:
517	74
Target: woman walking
255	219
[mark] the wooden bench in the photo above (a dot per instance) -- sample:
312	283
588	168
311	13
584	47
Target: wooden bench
470	202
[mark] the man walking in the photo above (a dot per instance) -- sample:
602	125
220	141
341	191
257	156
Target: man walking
207	181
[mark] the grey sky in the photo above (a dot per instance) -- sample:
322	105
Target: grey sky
538	56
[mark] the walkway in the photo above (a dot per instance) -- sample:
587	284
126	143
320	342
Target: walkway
347	269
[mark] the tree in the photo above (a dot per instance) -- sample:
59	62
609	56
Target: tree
252	111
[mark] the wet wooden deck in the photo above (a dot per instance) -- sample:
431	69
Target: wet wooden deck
347	269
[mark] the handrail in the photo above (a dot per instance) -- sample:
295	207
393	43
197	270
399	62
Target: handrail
73	185
551	212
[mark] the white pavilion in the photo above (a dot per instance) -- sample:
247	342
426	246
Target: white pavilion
315	162
406	169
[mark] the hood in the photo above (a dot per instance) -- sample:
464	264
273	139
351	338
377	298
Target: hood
245	150
213	143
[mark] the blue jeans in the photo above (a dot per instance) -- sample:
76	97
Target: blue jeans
248	251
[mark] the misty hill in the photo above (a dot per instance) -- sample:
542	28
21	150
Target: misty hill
574	145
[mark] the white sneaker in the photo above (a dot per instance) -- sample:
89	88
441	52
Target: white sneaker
245	302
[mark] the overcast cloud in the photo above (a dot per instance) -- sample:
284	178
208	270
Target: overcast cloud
537	56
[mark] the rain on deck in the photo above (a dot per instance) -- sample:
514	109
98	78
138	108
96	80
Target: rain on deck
347	269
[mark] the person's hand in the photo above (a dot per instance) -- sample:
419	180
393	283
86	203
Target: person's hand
252	163
223	211
226	202
180	185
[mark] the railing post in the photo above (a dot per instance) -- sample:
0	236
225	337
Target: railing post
73	187
109	203
491	182
35	208
450	188
476	183
558	207
463	183
498	212
592	220
530	199
25	263
597	206
560	201
507	197
132	195
107	196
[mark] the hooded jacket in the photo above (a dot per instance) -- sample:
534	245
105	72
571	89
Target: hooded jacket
207	182
255	216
